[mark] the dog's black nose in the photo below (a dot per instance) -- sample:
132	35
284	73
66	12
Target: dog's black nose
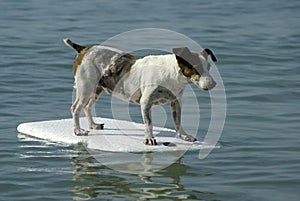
211	85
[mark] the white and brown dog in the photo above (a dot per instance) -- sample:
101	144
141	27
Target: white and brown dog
152	80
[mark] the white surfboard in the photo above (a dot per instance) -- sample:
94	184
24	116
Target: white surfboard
117	136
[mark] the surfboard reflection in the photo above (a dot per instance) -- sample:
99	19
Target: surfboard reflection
145	179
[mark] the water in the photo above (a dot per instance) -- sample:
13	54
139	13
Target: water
257	46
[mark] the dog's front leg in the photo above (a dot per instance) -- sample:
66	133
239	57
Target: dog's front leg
176	114
146	114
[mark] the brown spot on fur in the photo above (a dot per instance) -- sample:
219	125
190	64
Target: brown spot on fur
130	56
124	63
187	71
117	70
79	58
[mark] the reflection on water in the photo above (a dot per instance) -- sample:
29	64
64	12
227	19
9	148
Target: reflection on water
146	176
136	163
95	180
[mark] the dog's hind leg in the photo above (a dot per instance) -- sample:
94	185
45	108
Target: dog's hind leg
176	114
75	110
88	111
85	91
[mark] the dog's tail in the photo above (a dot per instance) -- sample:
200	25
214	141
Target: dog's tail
74	46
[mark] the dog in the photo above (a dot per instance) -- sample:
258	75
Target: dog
147	81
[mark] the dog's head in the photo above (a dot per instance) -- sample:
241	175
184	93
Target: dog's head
195	66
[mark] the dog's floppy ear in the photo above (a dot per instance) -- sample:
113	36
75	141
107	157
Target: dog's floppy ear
184	56
187	61
207	52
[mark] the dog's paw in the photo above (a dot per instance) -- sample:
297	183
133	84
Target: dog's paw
81	132
150	141
187	138
97	126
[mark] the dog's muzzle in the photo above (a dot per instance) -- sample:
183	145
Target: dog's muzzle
207	83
